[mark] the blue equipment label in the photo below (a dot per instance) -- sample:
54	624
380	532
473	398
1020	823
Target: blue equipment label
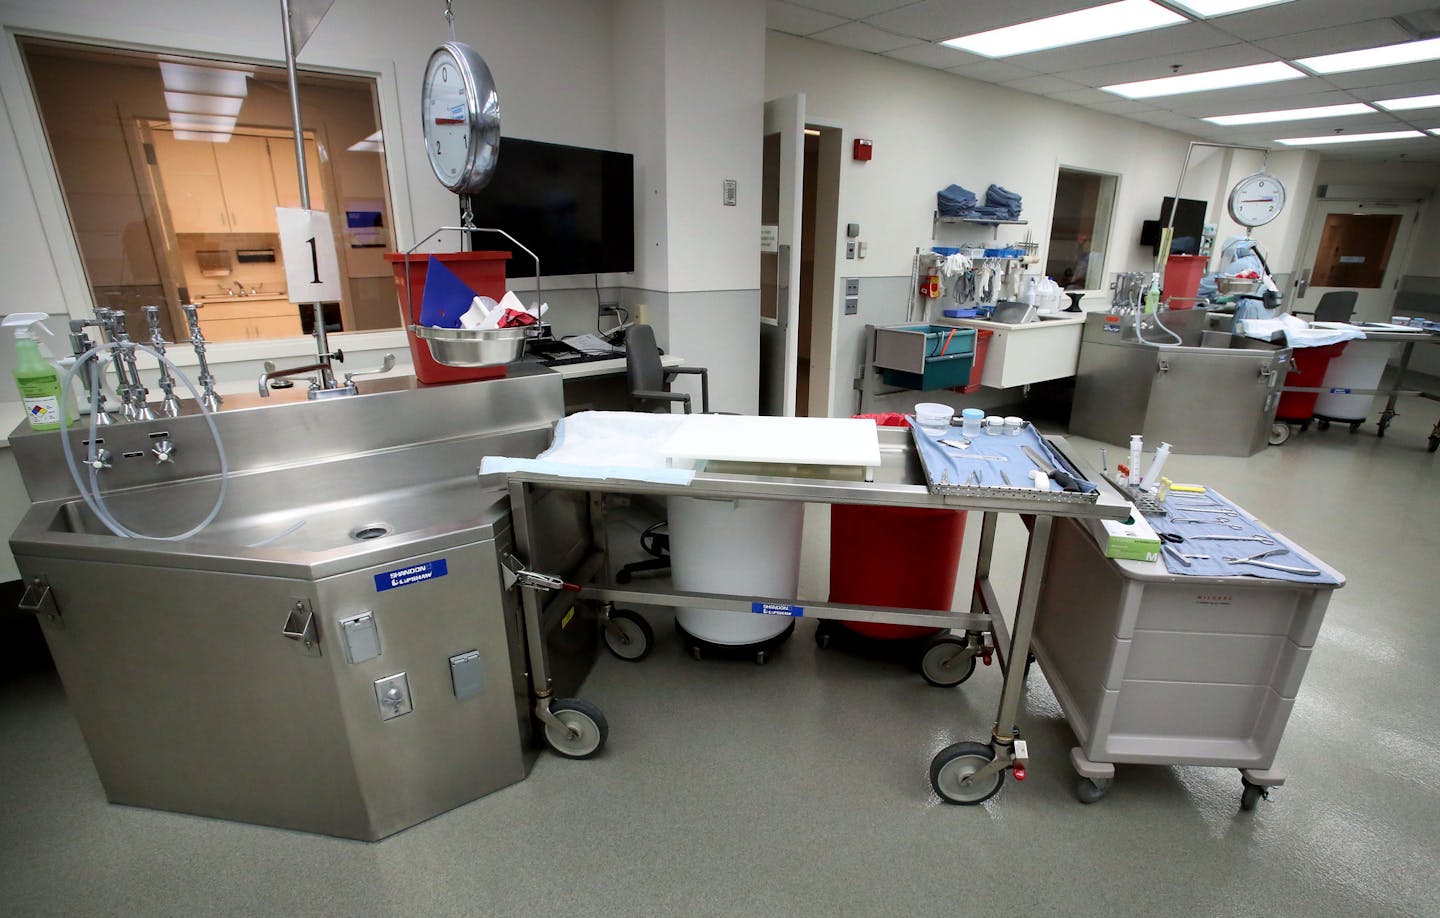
777	608
406	576
1340	391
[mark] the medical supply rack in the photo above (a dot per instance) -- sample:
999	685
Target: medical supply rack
962	773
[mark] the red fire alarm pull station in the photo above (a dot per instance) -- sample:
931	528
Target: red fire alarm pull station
863	149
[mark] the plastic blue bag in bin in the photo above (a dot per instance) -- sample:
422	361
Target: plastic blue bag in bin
446	296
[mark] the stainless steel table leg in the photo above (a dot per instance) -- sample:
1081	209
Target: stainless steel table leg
531	605
1014	687
1388	414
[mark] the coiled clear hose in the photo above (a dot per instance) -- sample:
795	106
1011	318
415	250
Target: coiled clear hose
92	497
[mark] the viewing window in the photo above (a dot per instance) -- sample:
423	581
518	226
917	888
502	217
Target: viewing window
172	167
1080	229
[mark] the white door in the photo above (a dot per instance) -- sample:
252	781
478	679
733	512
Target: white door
1359	247
782	186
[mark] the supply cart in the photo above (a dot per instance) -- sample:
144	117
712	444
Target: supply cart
1153	667
962	773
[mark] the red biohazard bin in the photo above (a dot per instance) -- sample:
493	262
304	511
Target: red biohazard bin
1309	373
894	556
1182	278
483	272
977	366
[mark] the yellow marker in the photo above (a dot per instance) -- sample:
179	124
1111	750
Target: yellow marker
1194	489
565	622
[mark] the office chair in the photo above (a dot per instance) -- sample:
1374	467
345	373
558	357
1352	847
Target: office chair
1336	306
650	381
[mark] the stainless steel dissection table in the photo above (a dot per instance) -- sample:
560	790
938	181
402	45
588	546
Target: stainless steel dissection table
963	773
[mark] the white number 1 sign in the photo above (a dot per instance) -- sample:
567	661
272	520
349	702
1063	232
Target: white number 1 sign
312	269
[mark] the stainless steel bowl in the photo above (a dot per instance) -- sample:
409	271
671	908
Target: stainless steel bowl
462	347
1236	286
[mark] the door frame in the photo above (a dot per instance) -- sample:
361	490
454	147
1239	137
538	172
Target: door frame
1400	252
788	219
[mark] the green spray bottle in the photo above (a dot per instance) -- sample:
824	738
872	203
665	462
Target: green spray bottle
35	376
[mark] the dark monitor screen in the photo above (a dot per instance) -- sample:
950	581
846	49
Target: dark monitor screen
1189	226
574	207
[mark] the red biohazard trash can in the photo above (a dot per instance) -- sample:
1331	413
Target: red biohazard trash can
905	557
1311	363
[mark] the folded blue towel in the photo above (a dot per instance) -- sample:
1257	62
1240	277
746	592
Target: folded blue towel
1005	200
954	201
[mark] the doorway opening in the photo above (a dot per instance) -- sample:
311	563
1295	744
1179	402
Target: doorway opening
819	243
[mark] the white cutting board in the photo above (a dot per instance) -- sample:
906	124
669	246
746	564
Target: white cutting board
801	441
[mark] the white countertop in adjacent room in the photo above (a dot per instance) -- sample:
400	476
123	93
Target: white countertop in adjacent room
1061	320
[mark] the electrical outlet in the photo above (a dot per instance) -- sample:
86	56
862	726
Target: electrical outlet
849	250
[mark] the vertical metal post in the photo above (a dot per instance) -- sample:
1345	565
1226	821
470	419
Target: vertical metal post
1014	687
322	344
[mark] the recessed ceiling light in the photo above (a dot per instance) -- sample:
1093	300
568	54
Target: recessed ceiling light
1293	114
1207	81
218	81
1409	52
1123	18
1224	7
1410	102
184	121
203	104
205	136
1347	138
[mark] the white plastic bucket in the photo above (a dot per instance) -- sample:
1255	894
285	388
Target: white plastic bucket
1359	367
735	546
934	417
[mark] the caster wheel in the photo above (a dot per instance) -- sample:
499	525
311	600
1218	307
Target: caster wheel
1322	425
824	635
945	661
1279	433
1304	426
628	635
586	729
1434	444
1355	427
761	658
1251	795
695	653
1089	790
952	767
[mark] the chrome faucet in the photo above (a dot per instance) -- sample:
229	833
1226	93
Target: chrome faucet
81	344
208	398
271	373
170	405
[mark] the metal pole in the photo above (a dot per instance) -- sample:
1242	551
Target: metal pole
1170	227
322	344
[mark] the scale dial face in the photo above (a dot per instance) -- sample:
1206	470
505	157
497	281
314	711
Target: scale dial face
462	118
1257	199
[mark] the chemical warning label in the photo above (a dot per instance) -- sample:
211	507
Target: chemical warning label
407	576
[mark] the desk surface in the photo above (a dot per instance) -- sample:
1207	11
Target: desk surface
606	367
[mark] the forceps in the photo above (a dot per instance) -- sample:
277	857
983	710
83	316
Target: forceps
1222	520
1255	560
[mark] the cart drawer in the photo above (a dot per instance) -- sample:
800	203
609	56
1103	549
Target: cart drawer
945	372
910	348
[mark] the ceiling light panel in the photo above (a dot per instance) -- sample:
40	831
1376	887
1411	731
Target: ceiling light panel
203	104
1347	138
187	122
211	80
1098	22
1293	114
1409	103
1205	82
1410	52
1225	7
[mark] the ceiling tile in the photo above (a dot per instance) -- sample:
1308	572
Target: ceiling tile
1246	99
1084	96
932	55
854	9
993	71
1043	85
1341	38
940	19
862	37
1167	42
1396	90
798	20
1153	68
1287	18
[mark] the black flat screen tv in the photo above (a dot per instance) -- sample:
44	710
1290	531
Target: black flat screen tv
1189	226
573	206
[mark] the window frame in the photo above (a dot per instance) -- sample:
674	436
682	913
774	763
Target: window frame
1105	260
18	97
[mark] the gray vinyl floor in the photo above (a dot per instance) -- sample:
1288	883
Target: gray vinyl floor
799	788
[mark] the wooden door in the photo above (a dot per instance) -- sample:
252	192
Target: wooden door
190	178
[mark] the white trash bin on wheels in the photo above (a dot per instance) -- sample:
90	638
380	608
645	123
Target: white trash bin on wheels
1359	368
730	546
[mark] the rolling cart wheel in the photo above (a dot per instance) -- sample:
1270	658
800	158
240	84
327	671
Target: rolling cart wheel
761	657
1279	433
695	651
953	764
1322	424
944	662
824	634
587	729
1089	790
1434	444
628	635
1305	425
1355	426
1251	795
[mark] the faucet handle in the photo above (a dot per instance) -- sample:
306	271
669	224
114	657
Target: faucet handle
386	365
102	459
164	452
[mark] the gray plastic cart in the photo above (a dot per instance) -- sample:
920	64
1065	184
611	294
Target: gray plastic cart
1163	669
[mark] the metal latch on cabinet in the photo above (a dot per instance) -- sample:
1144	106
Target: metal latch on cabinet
300	627
1162	365
516	572
39	600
